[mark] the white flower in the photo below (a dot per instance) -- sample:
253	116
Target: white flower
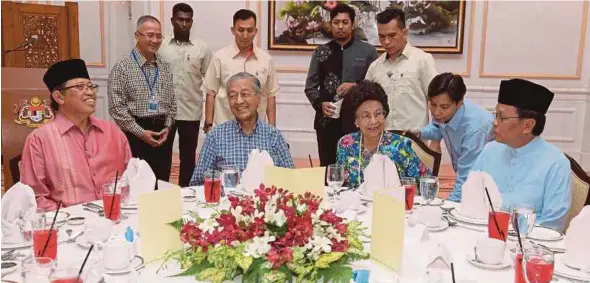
209	225
319	244
259	246
272	215
334	234
237	213
301	207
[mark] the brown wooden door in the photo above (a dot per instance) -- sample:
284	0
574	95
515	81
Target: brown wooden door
56	28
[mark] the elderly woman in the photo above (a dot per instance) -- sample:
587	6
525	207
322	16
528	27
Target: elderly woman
355	150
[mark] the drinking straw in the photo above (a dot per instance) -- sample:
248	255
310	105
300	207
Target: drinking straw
518	235
310	162
114	193
51	229
84	263
494	214
453	272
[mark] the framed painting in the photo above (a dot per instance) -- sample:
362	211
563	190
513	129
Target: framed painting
434	26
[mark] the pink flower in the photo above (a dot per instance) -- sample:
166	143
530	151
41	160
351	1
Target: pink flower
279	256
347	141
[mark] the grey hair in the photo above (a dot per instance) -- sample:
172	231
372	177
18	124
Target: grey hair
243	76
146	18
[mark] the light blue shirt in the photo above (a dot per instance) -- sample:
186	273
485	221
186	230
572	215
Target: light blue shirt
465	135
537	173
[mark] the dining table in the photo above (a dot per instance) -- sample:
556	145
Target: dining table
459	239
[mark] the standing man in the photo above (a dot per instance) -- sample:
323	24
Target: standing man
403	71
240	56
189	58
141	98
334	68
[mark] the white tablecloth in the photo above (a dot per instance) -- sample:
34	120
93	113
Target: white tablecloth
460	241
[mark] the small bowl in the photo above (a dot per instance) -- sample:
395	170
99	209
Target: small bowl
9	266
77	220
189	198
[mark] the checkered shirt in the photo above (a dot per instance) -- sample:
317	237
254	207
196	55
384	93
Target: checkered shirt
227	144
129	93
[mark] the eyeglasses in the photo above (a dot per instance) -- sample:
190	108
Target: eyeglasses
151	36
366	117
233	96
82	87
502	119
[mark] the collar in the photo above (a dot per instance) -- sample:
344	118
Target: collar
529	147
64	124
406	52
455	121
173	40
237	50
254	131
141	60
336	45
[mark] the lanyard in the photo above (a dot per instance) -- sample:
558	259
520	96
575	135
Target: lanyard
153	84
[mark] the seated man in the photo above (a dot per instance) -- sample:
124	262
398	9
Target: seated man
230	142
71	158
526	168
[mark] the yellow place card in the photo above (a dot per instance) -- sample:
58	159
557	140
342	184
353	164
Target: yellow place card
298	181
156	209
387	231
163	185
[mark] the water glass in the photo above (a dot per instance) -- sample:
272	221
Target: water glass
524	216
230	178
44	238
429	188
37	270
538	265
335	178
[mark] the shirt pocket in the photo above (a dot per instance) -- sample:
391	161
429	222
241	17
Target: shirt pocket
262	74
194	63
359	68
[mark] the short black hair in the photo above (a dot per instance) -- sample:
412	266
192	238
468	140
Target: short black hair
367	90
146	18
244	14
182	7
392	14
54	104
449	83
539	118
342	9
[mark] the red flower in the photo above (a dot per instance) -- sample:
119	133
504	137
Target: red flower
341	246
279	256
341	228
330	217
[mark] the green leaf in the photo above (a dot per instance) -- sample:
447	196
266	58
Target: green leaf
287	272
337	273
255	271
176	224
194	269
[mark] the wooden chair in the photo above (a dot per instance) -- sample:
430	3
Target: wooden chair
580	190
429	157
22	112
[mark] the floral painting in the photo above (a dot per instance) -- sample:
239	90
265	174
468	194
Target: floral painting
434	26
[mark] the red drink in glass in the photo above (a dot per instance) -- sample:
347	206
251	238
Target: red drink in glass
67	280
114	201
518	277
410	193
212	189
502	218
40	238
538	270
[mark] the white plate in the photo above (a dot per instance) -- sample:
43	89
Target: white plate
545	234
129	206
561	269
504	264
442	226
62	217
10	269
7	246
83	242
457	215
434	202
136	264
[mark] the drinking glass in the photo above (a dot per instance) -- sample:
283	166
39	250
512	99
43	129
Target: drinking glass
498	223
335	178
429	188
525	216
37	270
212	186
538	265
410	187
44	238
230	178
66	275
111	200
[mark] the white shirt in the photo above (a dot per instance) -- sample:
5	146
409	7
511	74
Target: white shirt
189	62
405	80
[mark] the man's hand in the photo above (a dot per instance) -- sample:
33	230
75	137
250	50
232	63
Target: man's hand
163	136
328	109
150	137
343	89
207	127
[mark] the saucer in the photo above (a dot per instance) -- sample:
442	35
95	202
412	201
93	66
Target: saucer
9	266
10	246
83	242
136	264
443	225
563	269
502	265
457	215
434	202
62	217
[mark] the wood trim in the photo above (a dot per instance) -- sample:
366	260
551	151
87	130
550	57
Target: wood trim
100	64
73	29
577	76
8	32
469	53
437	156
577	169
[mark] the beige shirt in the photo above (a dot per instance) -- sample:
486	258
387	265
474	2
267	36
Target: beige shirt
405	80
228	62
189	62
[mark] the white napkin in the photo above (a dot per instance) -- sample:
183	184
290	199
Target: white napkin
338	106
18	210
349	200
381	173
141	179
253	175
474	201
576	243
440	257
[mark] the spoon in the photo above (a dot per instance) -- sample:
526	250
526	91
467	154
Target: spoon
447	209
69	232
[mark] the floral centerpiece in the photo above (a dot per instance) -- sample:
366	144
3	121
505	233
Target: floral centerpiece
273	236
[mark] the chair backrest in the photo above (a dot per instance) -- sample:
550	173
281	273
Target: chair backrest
580	190
22	112
429	157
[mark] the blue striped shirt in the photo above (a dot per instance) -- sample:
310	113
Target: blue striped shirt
227	144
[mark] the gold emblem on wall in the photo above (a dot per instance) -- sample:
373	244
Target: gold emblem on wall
33	112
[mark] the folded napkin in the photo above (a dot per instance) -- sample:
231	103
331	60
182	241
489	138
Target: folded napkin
474	201
141	179
349	200
253	175
440	257
577	250
381	173
18	210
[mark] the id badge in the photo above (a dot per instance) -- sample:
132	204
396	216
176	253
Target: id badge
153	105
